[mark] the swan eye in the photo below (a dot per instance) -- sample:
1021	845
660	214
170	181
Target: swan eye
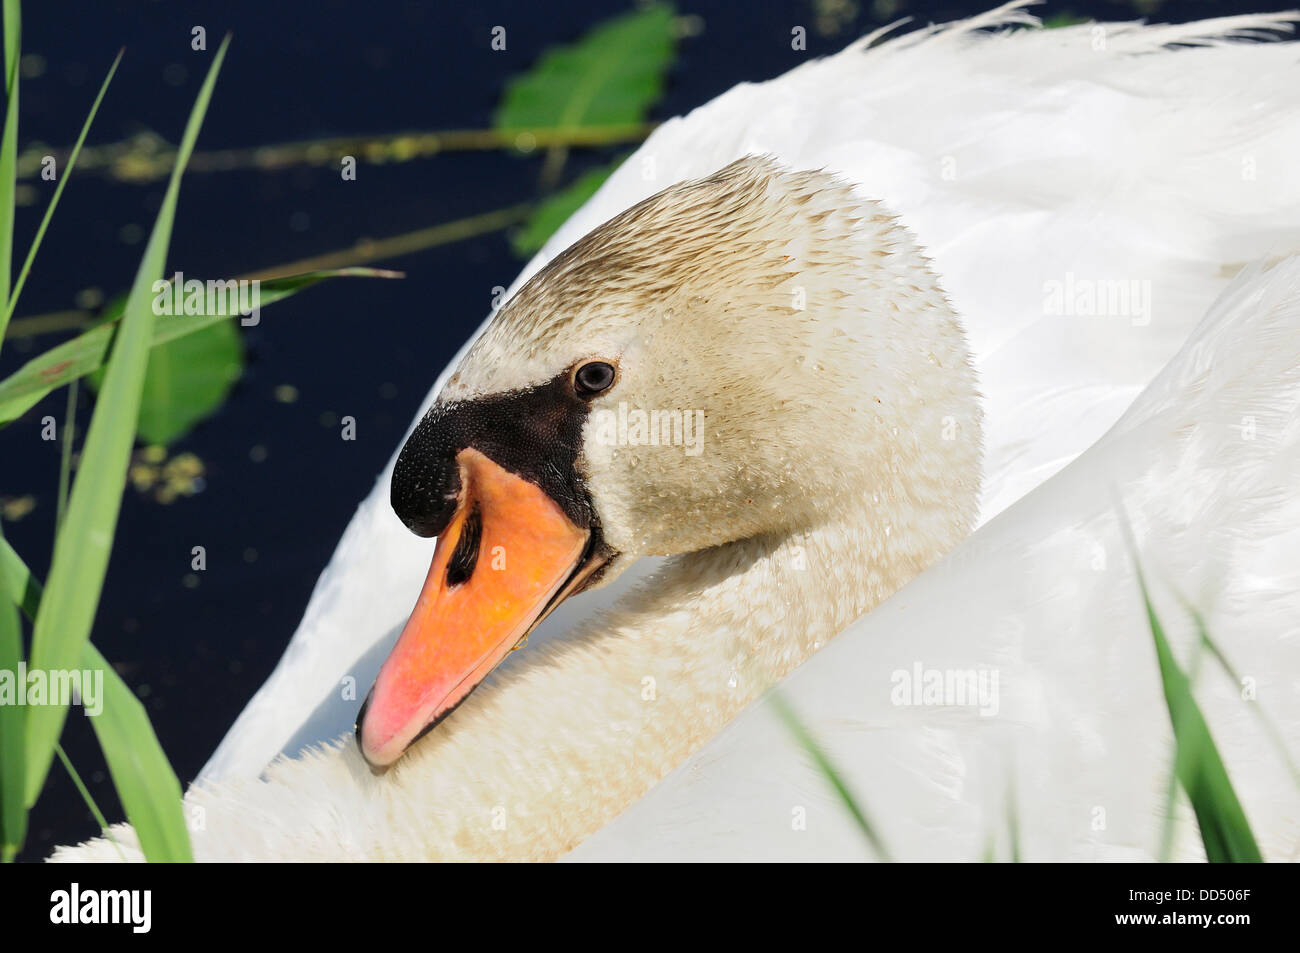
593	378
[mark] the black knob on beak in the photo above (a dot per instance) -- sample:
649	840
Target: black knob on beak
533	432
426	478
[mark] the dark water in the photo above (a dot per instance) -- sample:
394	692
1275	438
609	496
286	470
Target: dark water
269	517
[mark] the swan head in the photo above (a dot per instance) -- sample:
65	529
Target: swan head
754	353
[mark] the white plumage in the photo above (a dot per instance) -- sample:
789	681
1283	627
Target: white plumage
1076	750
1033	167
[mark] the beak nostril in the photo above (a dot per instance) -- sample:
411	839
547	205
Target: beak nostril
465	556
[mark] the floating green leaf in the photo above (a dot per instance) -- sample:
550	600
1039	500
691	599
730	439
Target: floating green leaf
187	380
610	77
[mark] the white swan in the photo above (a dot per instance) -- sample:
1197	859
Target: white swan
842	437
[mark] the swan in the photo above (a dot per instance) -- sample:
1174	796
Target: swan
847	442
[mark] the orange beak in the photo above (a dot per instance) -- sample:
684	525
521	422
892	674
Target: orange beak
506	559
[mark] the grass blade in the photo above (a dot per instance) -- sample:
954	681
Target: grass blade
1225	832
87	352
1169	827
13	804
9	152
1270	728
1013	822
87	798
65	457
21	588
54	202
62	630
146	784
829	771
